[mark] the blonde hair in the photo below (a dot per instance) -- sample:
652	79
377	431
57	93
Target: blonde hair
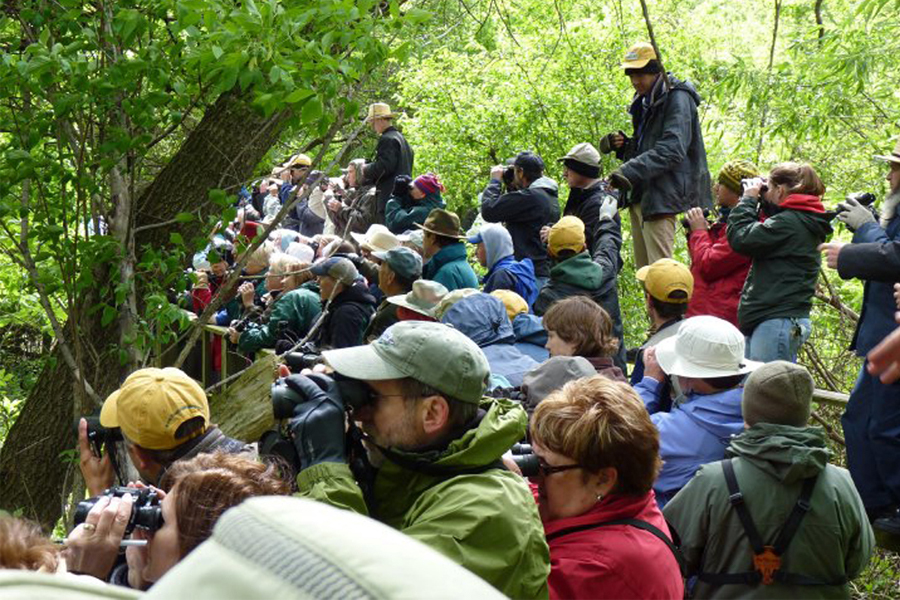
601	423
260	256
284	264
800	178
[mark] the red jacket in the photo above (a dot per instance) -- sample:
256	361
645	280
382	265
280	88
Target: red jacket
719	274
616	561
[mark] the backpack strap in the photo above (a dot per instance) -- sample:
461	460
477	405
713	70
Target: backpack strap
636	523
736	498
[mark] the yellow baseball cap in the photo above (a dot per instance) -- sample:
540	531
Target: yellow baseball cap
566	234
514	303
152	404
638	56
664	277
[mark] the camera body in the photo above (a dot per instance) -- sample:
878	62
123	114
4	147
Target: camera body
525	458
98	435
146	512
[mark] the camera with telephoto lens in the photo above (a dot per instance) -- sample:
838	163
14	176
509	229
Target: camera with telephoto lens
525	458
146	512
863	198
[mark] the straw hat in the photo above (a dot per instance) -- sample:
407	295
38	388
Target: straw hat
379	110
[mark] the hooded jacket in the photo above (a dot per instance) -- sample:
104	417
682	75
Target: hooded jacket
393	157
487	522
691	434
531	337
297	309
614	561
402	214
770	462
584	203
524	212
347	318
450	268
504	271
719	274
876	318
482	318
786	262
580	276
665	160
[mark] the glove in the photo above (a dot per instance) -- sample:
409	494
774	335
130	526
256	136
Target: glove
854	215
606	142
318	422
608	207
619	181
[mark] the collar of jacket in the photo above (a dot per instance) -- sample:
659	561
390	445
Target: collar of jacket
611	508
447	254
803	202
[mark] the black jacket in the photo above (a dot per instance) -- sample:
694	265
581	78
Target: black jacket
393	157
524	212
666	158
873	261
347	319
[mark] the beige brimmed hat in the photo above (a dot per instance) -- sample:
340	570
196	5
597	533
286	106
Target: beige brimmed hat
704	347
585	153
638	56
424	298
894	157
379	110
377	238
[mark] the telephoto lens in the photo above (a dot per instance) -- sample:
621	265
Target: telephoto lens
521	449
146	512
528	464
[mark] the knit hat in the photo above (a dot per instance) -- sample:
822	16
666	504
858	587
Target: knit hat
778	392
583	159
664	277
514	303
428	183
566	234
734	171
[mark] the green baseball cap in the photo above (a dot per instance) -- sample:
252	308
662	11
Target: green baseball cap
432	353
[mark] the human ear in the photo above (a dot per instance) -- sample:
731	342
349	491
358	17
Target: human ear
435	414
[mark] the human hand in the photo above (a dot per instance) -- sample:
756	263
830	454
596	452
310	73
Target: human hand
854	215
651	365
883	360
545	234
334	205
233	335
612	141
202	280
318	424
695	219
831	250
753	187
608	208
497	172
97	472
619	181
92	547
897	295
248	293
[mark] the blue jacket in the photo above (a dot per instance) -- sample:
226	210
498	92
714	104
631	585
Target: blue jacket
531	337
693	433
450	268
876	319
482	318
510	274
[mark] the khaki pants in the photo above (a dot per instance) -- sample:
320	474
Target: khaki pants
652	239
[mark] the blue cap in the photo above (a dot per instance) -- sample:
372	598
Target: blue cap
475	239
336	267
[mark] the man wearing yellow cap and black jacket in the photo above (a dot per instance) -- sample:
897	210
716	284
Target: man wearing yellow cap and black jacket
164	418
664	170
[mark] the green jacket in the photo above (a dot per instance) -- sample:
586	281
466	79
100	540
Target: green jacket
299	308
402	214
385	316
770	462
450	268
578	275
785	268
487	522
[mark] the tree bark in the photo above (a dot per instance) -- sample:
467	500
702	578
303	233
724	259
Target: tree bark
222	150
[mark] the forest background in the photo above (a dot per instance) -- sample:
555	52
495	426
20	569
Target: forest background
151	115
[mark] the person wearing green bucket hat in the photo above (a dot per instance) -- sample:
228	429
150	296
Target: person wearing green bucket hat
437	444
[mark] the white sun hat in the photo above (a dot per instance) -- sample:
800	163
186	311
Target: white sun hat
704	347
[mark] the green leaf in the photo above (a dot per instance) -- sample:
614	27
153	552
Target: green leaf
298	95
175	238
109	313
312	110
184	217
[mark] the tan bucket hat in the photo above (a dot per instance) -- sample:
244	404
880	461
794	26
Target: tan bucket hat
379	110
894	157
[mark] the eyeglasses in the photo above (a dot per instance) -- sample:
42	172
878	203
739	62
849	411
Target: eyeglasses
544	470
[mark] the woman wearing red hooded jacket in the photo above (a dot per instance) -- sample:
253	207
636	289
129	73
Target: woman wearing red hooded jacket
719	272
598	453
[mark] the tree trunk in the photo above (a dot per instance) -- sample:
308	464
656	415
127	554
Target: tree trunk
221	151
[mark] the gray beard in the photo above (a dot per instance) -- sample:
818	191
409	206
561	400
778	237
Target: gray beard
889	207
